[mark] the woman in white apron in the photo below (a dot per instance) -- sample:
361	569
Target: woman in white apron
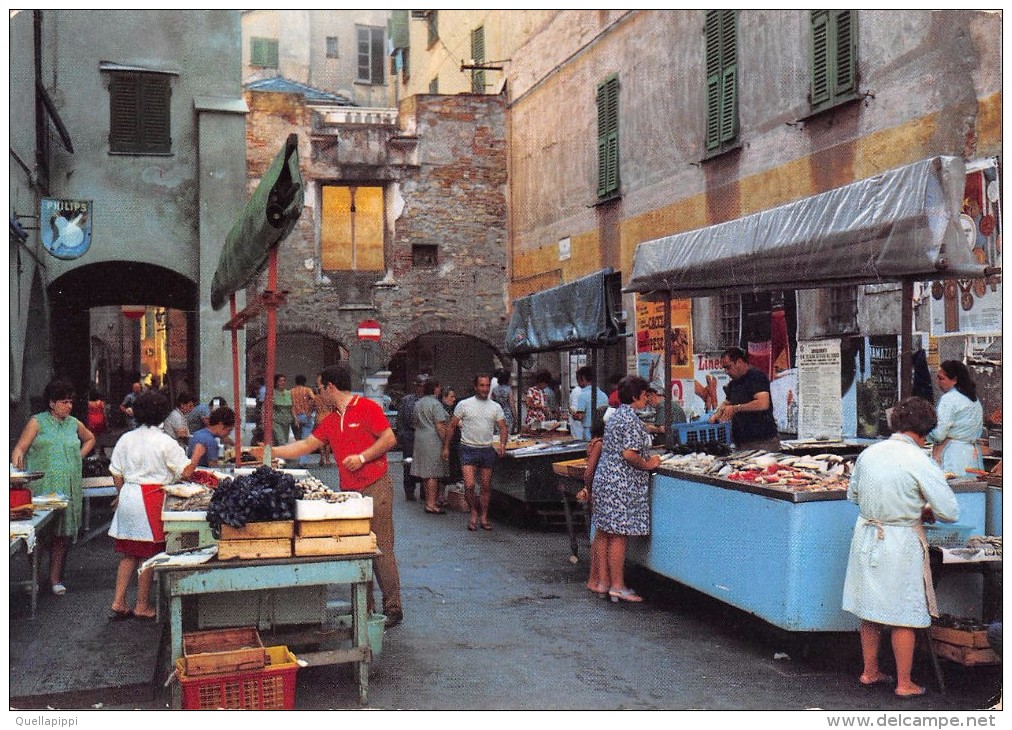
897	487
960	421
143	460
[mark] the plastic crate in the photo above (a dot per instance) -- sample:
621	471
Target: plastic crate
270	688
702	432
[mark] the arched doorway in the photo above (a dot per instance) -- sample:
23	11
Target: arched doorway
454	359
85	304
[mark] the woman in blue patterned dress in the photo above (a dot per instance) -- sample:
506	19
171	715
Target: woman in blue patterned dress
54	442
621	485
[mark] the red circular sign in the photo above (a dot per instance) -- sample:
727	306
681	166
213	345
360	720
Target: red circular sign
369	329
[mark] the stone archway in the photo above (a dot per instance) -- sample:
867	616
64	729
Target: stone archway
296	353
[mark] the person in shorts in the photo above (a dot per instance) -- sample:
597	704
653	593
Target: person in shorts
480	446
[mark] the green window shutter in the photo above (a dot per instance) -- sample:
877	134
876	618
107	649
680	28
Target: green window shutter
478	57
820	58
846	53
397	27
124	115
378	51
607	137
834	57
156	95
263	52
721	34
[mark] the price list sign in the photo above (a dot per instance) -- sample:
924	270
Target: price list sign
820	407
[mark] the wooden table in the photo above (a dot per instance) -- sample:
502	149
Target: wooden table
42	521
249	575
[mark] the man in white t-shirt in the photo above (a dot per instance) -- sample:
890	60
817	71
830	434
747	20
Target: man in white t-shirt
480	446
575	415
175	424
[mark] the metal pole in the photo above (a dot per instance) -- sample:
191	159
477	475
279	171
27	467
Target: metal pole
906	340
668	434
240	404
272	286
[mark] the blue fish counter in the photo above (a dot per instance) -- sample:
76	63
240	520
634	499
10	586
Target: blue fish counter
771	552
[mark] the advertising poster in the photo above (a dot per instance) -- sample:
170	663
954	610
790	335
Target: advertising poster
820	412
650	339
877	384
973	306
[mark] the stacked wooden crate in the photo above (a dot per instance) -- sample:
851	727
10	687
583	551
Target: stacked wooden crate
334	528
963	646
257	540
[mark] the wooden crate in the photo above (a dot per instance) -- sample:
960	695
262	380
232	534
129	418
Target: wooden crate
348	545
961	637
259	530
223	651
273	547
965	655
572	468
333	528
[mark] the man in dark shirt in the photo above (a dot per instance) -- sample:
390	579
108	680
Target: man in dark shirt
748	405
406	435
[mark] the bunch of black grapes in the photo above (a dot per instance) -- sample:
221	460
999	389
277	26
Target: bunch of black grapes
263	496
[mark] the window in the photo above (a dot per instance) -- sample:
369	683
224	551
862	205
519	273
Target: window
834	58
424	255
139	113
721	80
842	309
263	52
730	320
351	231
434	86
332	46
432	23
478	58
607	137
371	55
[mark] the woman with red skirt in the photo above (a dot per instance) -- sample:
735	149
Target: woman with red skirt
144	459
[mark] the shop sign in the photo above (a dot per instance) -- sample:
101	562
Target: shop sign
65	227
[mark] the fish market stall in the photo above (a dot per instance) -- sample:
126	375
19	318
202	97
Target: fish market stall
525	472
764	537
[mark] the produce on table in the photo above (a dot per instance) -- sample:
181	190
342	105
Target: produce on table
312	488
262	496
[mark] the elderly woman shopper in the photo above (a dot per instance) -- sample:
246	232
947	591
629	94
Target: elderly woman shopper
960	421
55	443
142	461
430	425
621	484
897	487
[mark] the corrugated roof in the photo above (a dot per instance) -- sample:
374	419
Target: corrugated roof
281	85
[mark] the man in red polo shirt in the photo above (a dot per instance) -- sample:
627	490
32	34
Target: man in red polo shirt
360	436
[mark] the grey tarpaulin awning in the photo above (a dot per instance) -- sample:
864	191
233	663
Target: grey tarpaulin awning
269	216
581	313
899	225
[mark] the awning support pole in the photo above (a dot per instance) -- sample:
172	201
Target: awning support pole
240	404
272	321
906	339
668	431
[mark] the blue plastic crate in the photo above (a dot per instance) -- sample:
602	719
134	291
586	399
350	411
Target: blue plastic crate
702	432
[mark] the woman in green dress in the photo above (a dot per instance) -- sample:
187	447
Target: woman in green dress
283	417
55	443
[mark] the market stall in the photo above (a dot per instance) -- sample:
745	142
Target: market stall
580	314
262	548
719	535
32	519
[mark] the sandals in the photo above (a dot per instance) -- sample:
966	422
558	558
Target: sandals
436	511
625	594
880	679
120	615
601	590
486	526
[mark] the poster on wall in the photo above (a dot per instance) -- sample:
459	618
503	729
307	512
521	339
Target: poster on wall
65	227
650	340
973	306
820	412
877	384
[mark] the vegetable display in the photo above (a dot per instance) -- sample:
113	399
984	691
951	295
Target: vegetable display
262	496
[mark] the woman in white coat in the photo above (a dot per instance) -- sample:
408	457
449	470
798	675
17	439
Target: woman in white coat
143	460
897	487
960	421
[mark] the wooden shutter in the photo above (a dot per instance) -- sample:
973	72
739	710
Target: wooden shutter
607	137
846	53
362	41
263	52
820	58
378	51
478	57
124	116
721	34
156	95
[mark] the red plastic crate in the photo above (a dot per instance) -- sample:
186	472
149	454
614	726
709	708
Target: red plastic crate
270	688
